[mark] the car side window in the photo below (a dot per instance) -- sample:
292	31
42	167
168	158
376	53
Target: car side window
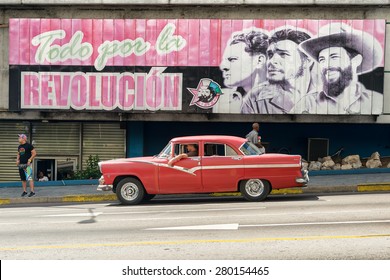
211	149
183	149
178	149
230	151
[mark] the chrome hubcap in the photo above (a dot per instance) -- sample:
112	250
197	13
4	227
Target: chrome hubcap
254	187
130	191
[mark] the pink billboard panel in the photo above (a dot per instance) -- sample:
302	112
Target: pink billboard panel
252	66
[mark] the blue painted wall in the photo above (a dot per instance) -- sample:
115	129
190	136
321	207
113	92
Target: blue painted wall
135	139
148	138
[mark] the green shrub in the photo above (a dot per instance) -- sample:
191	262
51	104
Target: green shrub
91	171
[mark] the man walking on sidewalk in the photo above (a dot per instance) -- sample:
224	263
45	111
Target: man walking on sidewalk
253	136
26	154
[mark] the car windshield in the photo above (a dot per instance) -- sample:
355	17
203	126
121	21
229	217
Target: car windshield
166	152
250	149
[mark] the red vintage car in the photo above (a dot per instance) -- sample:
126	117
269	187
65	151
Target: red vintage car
202	164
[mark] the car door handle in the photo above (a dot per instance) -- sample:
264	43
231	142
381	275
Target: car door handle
236	158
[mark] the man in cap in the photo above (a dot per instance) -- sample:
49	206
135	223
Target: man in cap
26	154
343	53
243	65
288	75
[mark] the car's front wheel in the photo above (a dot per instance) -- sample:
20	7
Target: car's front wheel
130	191
255	189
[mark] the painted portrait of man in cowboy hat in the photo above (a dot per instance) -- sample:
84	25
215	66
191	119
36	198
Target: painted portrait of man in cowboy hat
343	53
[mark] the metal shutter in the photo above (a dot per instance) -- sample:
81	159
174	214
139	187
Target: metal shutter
9	147
56	139
106	140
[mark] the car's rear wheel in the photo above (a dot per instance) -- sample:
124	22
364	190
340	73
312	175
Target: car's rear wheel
255	189
130	191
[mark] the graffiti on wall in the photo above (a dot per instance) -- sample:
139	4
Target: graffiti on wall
198	65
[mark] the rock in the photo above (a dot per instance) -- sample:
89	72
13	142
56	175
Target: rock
328	158
388	166
337	166
328	164
346	166
315	165
376	156
373	163
353	161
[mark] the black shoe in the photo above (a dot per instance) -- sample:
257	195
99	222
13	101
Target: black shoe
31	194
23	194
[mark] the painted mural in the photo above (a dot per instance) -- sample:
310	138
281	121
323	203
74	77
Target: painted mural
198	65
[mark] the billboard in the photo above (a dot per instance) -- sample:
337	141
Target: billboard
197	65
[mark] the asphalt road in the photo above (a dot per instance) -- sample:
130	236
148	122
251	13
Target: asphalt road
355	226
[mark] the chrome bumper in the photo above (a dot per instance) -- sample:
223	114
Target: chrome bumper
102	186
304	179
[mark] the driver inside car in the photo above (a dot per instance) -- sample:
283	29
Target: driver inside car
192	151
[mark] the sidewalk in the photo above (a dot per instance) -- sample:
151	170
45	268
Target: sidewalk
88	193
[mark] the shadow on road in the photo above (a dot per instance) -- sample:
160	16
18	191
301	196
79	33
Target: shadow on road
92	218
169	200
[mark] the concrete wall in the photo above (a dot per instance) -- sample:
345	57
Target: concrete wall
178	9
199	2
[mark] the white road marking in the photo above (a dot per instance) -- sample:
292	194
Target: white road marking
180	218
150	212
317	223
201	227
186	210
237	226
74	215
215	209
9	224
107	206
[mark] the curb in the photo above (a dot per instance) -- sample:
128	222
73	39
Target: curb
373	187
60	199
381	187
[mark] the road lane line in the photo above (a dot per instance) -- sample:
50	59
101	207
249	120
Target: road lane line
317	223
222	209
201	227
91	214
154	212
187	210
189	242
237	226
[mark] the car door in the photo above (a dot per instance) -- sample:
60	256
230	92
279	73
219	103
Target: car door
184	176
222	168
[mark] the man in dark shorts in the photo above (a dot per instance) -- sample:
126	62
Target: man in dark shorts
26	154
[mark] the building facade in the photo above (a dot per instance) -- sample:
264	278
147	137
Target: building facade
115	80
